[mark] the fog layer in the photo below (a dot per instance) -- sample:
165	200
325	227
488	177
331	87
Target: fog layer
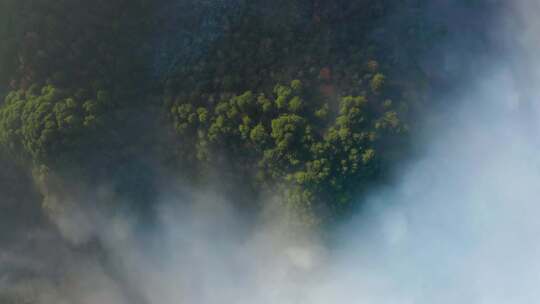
458	224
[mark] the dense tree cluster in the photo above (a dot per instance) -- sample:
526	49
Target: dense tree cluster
317	154
47	123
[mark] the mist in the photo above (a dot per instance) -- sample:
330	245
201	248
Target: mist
457	223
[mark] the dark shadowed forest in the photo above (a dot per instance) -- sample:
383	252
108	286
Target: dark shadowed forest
301	106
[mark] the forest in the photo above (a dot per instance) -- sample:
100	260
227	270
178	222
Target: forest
307	104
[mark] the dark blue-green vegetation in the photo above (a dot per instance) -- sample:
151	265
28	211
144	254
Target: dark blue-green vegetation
311	101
